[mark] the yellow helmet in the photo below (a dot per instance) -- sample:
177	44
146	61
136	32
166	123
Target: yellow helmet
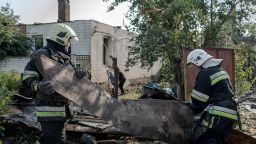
61	33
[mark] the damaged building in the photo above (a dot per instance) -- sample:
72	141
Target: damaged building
97	42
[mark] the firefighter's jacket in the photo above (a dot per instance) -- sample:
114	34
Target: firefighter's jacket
31	73
213	93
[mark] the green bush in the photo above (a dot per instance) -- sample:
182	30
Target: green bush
9	85
245	60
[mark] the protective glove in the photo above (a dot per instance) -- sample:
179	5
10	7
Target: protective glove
43	87
80	73
188	104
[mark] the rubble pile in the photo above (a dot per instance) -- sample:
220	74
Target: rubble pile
247	110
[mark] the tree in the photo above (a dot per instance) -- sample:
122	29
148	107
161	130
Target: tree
245	55
9	85
12	41
225	17
244	76
164	27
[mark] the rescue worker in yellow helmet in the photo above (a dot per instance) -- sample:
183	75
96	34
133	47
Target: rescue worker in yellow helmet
212	96
52	108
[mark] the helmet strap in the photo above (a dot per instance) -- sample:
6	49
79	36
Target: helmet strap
67	49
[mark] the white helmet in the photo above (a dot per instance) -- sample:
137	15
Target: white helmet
198	57
61	33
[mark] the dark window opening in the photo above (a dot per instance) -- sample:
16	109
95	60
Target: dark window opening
39	42
78	66
106	51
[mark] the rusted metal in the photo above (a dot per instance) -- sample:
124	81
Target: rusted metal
237	137
24	115
164	120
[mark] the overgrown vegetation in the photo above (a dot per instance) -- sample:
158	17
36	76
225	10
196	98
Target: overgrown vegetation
244	70
9	85
245	61
12	41
165	27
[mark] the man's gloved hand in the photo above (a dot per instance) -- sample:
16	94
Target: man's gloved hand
187	103
80	73
43	87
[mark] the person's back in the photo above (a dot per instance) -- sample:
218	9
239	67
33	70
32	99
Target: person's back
214	83
212	96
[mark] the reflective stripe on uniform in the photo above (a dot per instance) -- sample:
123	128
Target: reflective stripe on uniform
199	96
218	77
50	108
49	111
222	111
29	74
212	122
50	114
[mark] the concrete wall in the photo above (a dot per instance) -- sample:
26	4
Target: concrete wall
90	34
14	63
119	46
81	27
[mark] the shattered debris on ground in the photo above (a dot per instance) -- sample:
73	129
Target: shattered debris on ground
247	110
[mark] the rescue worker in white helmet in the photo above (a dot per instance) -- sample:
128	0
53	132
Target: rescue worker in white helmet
212	97
52	108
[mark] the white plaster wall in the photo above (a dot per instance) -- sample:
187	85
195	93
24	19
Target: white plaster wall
90	34
120	42
81	27
83	31
14	63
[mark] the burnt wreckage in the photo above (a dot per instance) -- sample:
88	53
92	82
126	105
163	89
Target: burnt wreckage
110	120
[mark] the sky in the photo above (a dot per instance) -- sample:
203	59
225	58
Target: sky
43	11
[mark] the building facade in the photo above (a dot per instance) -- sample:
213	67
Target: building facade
97	42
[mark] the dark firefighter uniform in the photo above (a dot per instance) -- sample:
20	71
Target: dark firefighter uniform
213	97
122	80
52	109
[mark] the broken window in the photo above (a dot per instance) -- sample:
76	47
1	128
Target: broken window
106	51
39	42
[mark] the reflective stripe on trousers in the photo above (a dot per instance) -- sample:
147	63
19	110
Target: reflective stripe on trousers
51	114
47	111
222	111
